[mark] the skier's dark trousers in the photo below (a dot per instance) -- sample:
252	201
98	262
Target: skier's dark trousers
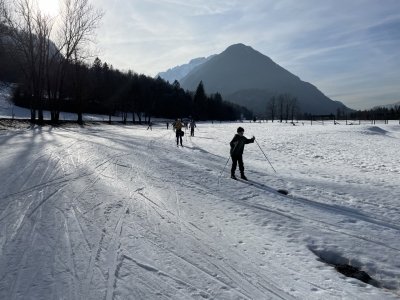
178	131
192	125
237	147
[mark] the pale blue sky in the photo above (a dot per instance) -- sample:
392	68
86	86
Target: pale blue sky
349	49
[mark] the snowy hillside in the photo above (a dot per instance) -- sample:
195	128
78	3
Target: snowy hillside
7	108
119	212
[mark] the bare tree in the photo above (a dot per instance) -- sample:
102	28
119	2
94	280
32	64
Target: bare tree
2	21
271	107
294	107
2	14
29	31
281	105
286	107
43	32
79	21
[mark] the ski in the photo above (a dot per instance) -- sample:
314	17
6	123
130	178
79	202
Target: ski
263	186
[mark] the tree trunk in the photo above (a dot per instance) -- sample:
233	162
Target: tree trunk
80	118
33	115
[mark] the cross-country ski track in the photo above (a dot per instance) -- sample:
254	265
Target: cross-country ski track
121	212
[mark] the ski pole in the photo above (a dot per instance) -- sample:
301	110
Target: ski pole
226	163
224	168
265	155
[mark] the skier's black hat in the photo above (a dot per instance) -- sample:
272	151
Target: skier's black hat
240	129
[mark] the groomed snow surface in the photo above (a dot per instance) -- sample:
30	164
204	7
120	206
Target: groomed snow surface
121	212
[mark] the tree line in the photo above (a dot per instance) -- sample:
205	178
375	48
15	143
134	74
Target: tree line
100	89
377	113
54	74
285	107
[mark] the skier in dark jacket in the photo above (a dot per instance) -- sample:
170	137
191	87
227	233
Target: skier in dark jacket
237	147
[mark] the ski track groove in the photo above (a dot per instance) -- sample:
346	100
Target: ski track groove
21	218
375	220
29	176
94	258
33	161
71	259
46	169
74	212
178	217
342	211
301	218
20	224
209	274
45	199
327	226
154	207
61	179
92	208
114	254
15	283
162	273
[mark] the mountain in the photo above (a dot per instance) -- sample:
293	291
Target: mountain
247	77
177	73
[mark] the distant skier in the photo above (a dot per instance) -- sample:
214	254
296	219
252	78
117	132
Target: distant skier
178	131
167	125
237	147
150	126
192	127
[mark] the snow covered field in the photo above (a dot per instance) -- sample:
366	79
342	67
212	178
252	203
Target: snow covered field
119	212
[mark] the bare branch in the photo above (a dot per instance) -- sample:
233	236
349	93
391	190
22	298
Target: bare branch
28	30
79	23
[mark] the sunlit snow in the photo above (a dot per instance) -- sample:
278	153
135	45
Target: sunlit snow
120	212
